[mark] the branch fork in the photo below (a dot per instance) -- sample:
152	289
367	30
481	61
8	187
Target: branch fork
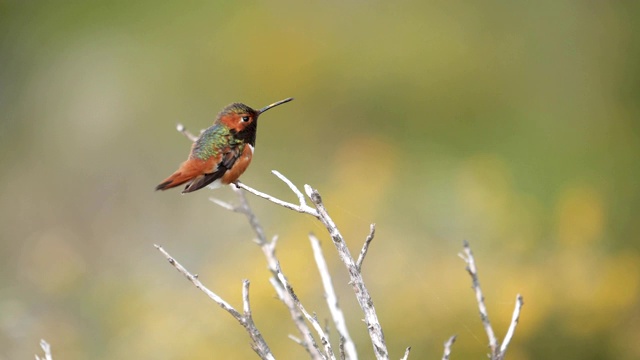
497	351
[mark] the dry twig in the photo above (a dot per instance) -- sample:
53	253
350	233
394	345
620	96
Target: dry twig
312	319
258	345
183	130
406	353
365	247
484	315
47	351
497	353
512	327
347	347
269	251
447	347
301	208
361	291
320	212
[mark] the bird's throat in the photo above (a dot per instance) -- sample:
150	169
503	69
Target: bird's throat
246	135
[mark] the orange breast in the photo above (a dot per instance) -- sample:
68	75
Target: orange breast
239	166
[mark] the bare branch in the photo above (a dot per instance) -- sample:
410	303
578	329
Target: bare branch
194	279
293	188
295	339
447	347
47	351
406	353
362	293
312	319
269	251
302	208
514	322
224	204
258	345
183	130
346	343
365	247
496	353
484	316
245	208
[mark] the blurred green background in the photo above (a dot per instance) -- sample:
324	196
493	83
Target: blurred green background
512	124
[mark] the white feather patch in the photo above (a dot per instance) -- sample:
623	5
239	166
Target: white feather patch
216	184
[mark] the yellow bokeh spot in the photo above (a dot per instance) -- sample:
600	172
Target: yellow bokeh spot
618	288
363	170
485	195
580	216
596	290
51	260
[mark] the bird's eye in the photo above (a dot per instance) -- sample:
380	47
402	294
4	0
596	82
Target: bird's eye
245	118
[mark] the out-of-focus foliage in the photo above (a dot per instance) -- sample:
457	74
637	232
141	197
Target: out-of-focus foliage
512	124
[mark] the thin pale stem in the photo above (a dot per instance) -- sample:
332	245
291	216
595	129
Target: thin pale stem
312	319
269	251
484	315
259	345
302	208
47	351
447	347
406	353
183	130
291	186
365	247
361	291
515	318
346	343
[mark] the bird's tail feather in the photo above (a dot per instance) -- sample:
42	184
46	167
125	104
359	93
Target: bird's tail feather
176	179
203	180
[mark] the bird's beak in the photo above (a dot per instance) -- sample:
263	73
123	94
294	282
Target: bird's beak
274	105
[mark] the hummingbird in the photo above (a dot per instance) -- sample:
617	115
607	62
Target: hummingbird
222	152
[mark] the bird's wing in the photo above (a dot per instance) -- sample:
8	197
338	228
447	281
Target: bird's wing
210	142
228	155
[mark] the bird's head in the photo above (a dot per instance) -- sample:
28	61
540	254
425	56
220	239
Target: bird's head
238	116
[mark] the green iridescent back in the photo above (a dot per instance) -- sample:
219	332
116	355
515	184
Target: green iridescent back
212	141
